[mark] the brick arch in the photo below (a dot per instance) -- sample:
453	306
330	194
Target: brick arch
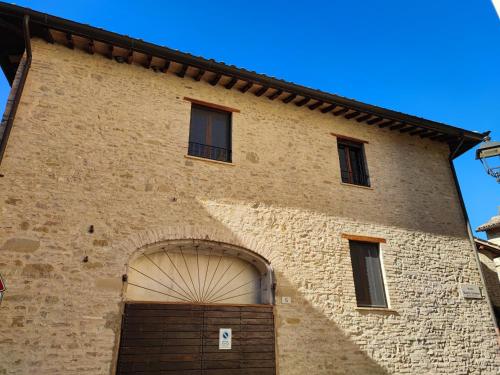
136	245
133	245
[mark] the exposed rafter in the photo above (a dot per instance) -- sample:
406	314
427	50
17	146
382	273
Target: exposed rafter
231	83
386	124
130	57
261	91
428	134
340	111
419	131
330	108
363	118
408	129
166	65
147	64
181	73
214	81
70	43
318	104
247	87
300	103
289	98
374	121
275	94
111	48
352	115
199	75
91	47
398	126
48	35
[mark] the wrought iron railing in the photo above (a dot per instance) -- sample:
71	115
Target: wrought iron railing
209	152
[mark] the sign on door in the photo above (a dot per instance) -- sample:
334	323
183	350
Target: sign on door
225	335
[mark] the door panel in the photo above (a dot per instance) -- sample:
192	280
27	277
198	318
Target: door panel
183	339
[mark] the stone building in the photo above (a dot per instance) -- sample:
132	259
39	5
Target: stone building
489	254
164	213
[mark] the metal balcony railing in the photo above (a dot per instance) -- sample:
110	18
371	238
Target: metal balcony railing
209	152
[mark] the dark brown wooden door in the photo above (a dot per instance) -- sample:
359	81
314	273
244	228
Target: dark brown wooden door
181	339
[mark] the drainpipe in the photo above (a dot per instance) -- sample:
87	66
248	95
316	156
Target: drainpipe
17	88
471	237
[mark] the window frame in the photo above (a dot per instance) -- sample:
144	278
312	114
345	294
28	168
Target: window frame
347	145
229	124
382	273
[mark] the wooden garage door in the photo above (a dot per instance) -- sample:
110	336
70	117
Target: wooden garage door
181	339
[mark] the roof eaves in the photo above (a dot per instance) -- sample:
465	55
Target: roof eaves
123	41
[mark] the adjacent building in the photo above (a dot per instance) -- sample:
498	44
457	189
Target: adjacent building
489	254
167	214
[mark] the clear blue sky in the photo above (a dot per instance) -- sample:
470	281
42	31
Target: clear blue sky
438	59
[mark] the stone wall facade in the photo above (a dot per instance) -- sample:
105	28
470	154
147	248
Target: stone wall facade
104	144
491	266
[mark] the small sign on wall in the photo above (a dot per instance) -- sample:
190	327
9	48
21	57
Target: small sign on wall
225	335
286	300
470	291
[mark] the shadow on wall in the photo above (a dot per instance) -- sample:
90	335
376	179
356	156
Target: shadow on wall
493	288
308	342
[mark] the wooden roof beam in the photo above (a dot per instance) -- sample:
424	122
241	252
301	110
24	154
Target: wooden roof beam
319	103
261	91
352	115
386	124
275	94
147	64
330	108
419	131
364	118
247	87
300	103
199	75
111	48
408	129
436	136
231	83
216	79
374	121
91	47
397	126
289	98
130	56
340	111
70	42
166	65
181	73
48	35
429	134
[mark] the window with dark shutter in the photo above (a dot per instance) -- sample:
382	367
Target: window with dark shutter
210	133
367	272
353	168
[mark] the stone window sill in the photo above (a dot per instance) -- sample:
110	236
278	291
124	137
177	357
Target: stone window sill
209	160
356	186
377	310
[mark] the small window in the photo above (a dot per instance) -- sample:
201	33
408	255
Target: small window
352	163
210	133
367	271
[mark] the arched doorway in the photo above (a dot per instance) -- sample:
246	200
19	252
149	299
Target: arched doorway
197	307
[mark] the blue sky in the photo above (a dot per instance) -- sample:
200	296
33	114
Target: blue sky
435	59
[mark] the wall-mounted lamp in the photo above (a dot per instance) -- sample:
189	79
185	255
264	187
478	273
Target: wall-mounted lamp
491	151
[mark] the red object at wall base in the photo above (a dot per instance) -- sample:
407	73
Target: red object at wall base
2	285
